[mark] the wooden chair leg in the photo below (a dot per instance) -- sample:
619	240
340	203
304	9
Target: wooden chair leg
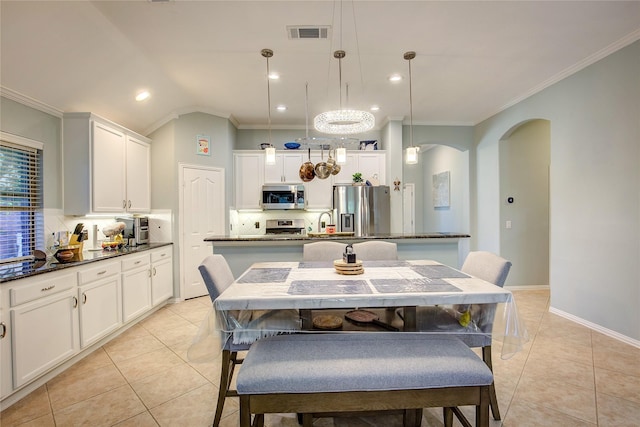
412	417
482	410
493	399
227	363
307	420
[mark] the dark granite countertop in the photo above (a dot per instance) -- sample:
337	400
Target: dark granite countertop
21	270
294	237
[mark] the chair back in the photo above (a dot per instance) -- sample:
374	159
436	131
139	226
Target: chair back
487	266
322	251
216	274
376	250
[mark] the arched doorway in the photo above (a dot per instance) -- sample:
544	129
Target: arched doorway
524	206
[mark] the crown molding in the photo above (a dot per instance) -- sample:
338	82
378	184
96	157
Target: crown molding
590	60
29	102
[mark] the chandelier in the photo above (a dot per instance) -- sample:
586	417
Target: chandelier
343	121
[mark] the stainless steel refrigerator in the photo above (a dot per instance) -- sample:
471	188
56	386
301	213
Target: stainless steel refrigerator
362	209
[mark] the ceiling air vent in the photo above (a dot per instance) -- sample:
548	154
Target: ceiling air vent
308	32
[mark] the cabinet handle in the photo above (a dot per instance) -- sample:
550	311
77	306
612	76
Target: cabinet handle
4	330
75	302
137	262
124	204
48	288
84	298
101	272
129	204
154	271
149	272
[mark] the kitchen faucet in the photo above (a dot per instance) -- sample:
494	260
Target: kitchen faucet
320	219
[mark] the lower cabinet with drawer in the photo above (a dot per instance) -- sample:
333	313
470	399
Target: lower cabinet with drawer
136	286
161	274
44	325
100	301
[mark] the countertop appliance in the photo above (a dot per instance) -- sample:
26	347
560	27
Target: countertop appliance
136	228
283	196
285	226
363	210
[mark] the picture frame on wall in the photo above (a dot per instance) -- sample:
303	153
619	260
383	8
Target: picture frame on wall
203	145
440	190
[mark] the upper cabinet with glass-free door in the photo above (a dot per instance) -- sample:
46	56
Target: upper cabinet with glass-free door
106	167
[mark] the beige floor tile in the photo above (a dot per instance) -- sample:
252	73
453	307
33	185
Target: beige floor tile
70	388
160	388
33	406
148	364
619	385
189	305
123	349
616	412
627	362
178	335
543	368
105	409
97	359
195	408
144	419
531	415
574	401
43	421
559	347
135	331
163	319
196	316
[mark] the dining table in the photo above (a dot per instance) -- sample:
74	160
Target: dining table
271	298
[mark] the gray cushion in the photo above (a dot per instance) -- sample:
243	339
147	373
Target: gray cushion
314	363
322	251
376	250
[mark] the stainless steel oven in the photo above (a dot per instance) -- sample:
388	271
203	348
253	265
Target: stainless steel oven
283	196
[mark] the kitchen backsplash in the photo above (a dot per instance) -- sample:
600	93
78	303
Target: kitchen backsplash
55	220
244	223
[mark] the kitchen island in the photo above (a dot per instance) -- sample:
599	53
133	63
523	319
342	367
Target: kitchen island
242	251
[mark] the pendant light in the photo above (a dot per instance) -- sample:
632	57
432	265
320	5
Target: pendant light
341	155
270	151
343	121
412	152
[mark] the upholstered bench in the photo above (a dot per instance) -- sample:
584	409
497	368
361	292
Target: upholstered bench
355	372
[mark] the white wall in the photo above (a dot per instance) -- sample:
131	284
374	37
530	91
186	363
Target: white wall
594	189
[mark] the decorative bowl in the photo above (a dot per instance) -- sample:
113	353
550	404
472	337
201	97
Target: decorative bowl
291	145
264	145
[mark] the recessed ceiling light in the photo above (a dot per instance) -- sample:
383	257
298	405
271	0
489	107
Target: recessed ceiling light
281	108
141	96
375	108
395	78
274	76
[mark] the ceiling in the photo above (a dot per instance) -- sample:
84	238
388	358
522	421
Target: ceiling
473	58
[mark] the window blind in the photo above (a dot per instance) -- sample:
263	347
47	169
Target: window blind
21	219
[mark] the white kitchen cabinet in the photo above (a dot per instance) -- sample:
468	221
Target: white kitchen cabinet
285	170
138	176
99	301
107	167
44	329
6	360
368	163
136	286
161	275
319	192
248	170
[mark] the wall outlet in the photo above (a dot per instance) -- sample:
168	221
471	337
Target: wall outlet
508	224
257	224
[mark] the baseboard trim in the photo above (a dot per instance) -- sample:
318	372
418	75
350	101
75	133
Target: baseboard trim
528	288
608	332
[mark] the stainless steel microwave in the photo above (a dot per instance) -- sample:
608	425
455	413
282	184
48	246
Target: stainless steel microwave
283	196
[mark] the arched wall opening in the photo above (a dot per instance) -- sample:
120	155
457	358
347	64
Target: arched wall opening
524	160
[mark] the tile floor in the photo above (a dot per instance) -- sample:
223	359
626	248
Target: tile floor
566	375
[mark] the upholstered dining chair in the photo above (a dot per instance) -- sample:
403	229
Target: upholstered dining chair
322	251
491	268
217	276
376	250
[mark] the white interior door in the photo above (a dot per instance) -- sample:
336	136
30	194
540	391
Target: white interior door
202	214
408	209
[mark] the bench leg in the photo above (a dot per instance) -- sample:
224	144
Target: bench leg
245	414
486	356
448	417
307	420
482	410
412	417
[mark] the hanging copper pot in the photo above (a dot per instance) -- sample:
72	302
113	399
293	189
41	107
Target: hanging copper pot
322	170
307	171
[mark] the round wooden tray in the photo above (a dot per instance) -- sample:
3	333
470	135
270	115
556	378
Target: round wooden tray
348	268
